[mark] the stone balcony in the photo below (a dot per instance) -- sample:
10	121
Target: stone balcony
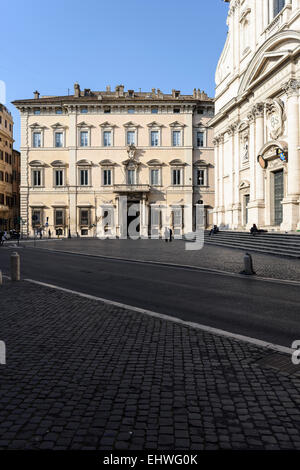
131	188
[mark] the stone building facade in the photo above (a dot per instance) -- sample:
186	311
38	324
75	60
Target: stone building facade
256	126
83	155
9	174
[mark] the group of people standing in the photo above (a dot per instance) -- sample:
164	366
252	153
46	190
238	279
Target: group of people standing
168	234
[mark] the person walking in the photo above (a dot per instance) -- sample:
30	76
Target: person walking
49	233
170	234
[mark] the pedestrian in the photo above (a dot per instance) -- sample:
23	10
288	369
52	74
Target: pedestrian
167	235
170	234
41	234
3	238
254	230
49	233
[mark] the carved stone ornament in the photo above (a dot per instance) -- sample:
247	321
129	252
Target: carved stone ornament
131	150
245	146
275	118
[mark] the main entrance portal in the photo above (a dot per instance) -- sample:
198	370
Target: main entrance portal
278	196
133	215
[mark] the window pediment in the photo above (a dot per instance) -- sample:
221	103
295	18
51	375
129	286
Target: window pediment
154	162
107	124
37	126
58	163
107	162
37	163
131	124
58	126
244	184
177	124
201	163
84	162
83	124
154	124
177	162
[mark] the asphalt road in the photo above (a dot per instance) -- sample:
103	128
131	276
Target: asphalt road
269	311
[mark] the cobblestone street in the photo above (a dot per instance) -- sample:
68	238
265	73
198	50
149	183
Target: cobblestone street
81	374
211	257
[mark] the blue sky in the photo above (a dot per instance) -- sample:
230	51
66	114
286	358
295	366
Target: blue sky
139	43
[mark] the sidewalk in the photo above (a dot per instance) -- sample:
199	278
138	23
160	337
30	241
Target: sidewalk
211	257
81	374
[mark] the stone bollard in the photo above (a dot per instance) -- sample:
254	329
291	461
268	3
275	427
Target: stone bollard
15	266
248	265
0	278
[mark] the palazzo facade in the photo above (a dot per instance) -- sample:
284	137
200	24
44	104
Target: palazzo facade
85	155
256	126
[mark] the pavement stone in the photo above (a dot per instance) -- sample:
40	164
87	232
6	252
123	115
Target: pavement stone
81	374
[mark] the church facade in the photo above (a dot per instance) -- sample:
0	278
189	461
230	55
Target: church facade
256	126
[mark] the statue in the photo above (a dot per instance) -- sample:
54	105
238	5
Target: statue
131	150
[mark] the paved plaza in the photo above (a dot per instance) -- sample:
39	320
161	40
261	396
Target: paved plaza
210	257
81	374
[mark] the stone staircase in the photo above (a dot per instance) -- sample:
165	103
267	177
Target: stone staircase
268	243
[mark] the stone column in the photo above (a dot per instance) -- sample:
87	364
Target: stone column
230	170
25	169
221	182
291	201
216	160
252	162
258	207
236	181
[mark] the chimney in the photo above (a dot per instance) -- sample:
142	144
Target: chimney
76	90
121	90
153	92
36	95
108	89
195	93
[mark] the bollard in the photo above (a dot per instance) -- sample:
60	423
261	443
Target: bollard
0	278
248	265
15	266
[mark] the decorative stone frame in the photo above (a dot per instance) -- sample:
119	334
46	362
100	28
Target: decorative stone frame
131	127
84	165
84	127
37	128
200	128
107	165
201	165
177	126
108	127
156	127
37	165
59	165
62	129
178	164
155	164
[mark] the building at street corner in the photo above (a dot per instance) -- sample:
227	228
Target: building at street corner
83	155
9	174
256	126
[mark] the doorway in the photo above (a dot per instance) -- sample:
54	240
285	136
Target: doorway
135	227
278	192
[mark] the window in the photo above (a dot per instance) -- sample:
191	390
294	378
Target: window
84	177
107	138
58	111
176	110
37	139
130	137
1	154
154	110
278	6
130	176
83	110
36	218
200	177
154	138
2	199
200	139
107	177
59	139
59	217
1	176
37	178
176	138
59	177
84	139
84	217
176	177
107	110
155	177
131	110
37	111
